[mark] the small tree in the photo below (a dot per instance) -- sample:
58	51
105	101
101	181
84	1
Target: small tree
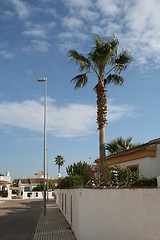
15	182
59	160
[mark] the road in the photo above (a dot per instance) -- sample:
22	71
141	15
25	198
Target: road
18	218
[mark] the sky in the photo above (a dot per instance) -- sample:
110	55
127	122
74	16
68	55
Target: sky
35	37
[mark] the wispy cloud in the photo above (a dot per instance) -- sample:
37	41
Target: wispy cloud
21	8
72	22
37	45
71	120
135	23
7	54
38	30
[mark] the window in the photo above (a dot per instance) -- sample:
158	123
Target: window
134	168
26	189
21	193
29	195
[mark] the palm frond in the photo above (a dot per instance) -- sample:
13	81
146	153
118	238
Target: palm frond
80	80
103	53
114	78
123	60
79	59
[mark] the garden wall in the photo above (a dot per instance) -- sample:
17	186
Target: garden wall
110	214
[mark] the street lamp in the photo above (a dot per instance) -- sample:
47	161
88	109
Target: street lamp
44	182
47	175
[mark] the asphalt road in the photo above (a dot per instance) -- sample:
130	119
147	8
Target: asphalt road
18	218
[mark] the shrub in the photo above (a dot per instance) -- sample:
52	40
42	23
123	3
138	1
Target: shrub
145	182
71	181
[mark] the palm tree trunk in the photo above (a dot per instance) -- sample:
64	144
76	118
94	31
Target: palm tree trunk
101	118
102	145
59	166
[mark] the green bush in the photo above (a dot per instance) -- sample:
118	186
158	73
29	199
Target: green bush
145	182
71	181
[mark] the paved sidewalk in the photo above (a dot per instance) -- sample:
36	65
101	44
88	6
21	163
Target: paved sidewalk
53	225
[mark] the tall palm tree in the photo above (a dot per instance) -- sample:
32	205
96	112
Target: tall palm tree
120	144
59	160
104	61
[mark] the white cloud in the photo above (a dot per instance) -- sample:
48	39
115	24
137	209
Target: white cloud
108	7
21	8
35	33
72	120
72	22
38	30
41	46
78	3
135	23
6	54
37	45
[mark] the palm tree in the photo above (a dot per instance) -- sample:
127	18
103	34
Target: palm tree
104	61
120	144
59	160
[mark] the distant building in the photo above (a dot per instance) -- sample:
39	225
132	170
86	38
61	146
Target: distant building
5	182
26	186
144	158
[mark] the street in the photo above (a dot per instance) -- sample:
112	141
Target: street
18	218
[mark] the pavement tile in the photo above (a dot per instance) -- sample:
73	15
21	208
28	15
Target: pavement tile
53	226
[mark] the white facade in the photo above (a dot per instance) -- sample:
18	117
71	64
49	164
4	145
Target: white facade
26	186
5	181
149	167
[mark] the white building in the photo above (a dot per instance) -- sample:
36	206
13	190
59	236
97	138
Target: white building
5	181
27	185
144	158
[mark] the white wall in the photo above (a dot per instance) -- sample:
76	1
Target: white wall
149	167
122	214
33	195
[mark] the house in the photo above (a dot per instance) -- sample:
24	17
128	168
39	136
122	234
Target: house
144	158
5	182
27	185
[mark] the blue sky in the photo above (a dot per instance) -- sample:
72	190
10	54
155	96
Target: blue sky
35	38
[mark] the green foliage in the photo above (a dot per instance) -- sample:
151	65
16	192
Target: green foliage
1	174
51	185
15	182
71	181
120	144
59	160
78	168
152	182
83	174
38	188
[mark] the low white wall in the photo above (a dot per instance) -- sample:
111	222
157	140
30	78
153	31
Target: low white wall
35	195
122	214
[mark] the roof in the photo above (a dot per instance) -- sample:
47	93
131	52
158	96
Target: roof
35	180
5	181
141	151
31	180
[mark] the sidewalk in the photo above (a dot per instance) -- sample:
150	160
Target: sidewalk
53	226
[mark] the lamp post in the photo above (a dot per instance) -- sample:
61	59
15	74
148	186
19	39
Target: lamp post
44	182
47	175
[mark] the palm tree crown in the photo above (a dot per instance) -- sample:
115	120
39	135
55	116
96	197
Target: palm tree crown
59	160
120	144
104	61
